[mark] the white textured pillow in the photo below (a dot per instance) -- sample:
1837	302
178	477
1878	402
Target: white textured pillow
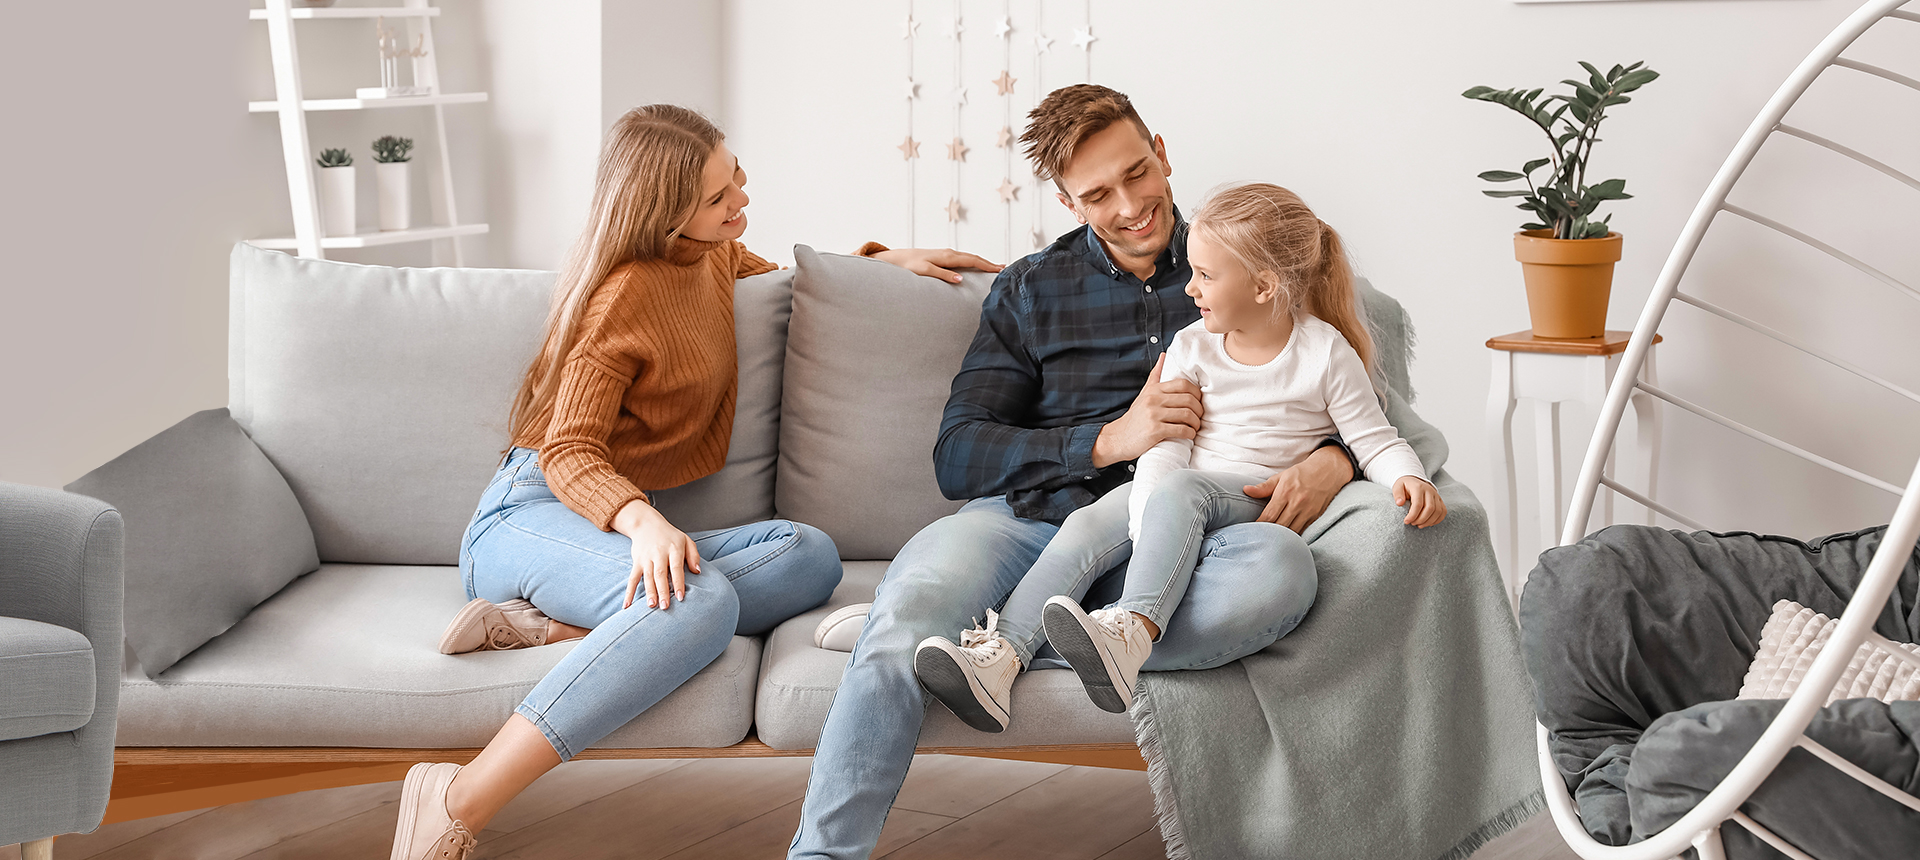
1793	639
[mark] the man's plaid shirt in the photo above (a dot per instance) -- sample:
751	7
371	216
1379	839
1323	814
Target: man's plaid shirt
1066	341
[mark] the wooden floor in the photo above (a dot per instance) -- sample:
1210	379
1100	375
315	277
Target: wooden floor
708	808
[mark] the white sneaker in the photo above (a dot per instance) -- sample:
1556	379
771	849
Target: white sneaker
1106	649
974	679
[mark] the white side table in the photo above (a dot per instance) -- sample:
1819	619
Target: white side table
1550	372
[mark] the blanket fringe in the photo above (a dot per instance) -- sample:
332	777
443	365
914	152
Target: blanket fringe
1159	777
1515	816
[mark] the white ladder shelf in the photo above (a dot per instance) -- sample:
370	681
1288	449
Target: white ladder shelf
291	104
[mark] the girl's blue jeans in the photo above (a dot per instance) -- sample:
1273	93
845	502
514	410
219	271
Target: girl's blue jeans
1184	507
523	542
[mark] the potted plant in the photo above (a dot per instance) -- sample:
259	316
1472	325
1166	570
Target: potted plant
336	192
391	153
1566	254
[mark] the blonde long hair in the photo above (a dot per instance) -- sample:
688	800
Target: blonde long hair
644	192
1270	229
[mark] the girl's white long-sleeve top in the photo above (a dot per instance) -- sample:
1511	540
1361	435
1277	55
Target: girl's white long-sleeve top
1262	419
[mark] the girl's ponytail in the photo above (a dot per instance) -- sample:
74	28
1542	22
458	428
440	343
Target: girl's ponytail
1331	296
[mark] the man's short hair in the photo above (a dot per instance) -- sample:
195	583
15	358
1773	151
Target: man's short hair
1066	118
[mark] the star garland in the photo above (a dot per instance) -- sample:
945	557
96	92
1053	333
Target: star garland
910	148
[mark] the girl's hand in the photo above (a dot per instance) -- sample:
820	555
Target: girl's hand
930	262
662	554
1422	501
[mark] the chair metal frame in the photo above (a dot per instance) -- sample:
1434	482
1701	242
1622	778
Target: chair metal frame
1700	828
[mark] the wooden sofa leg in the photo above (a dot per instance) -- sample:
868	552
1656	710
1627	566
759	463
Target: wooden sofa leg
40	849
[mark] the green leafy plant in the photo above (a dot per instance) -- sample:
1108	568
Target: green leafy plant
391	150
335	158
1564	202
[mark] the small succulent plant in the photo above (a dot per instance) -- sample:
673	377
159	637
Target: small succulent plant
390	149
335	158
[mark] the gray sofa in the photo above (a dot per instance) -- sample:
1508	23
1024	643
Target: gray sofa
291	559
60	568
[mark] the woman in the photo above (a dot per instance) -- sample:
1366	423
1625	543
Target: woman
634	387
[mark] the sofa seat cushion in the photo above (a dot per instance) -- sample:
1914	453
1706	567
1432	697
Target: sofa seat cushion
47	673
797	683
347	656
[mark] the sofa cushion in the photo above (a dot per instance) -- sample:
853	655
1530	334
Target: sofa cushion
211	530
347	656
382	395
798	680
47	671
871	355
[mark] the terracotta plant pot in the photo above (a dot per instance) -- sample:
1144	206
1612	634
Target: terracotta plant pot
1568	281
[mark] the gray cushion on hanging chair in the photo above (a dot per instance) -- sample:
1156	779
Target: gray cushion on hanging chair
1636	622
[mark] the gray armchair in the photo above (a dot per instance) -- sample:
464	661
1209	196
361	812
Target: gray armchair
60	648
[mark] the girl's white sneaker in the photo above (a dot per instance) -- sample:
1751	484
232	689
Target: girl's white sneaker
1106	648
974	679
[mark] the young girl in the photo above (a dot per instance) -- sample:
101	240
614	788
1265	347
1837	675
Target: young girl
633	389
1282	360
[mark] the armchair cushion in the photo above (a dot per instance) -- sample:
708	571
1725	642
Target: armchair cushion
212	530
47	671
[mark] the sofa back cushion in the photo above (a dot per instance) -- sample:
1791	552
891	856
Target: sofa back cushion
382	394
871	355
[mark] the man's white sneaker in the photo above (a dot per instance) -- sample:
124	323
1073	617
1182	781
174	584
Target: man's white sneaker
1106	648
974	679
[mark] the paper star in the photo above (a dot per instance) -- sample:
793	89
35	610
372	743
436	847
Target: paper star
1004	83
960	95
956	151
1039	238
912	25
913	89
1041	43
954	210
1084	39
910	149
1004	139
1009	192
955	29
1001	29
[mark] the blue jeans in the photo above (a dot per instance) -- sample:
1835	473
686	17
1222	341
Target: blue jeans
523	542
1244	595
1183	509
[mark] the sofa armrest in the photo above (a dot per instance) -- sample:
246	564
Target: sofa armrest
212	529
61	564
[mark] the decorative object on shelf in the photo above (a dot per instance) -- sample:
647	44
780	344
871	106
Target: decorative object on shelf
392	48
336	191
1566	256
391	155
309	236
312	4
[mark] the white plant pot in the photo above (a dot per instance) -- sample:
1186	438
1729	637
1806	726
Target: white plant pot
396	211
336	201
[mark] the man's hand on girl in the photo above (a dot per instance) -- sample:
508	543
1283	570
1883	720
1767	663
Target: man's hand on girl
1161	411
1298	496
662	555
937	262
1422	501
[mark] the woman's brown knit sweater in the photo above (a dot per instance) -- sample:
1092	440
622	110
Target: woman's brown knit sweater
646	396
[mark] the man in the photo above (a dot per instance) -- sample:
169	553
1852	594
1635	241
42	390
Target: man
1046	415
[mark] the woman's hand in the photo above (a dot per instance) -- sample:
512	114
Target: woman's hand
930	262
1424	507
662	554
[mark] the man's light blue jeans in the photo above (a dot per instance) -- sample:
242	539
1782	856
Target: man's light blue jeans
523	542
1244	594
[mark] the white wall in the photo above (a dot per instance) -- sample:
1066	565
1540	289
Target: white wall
1357	106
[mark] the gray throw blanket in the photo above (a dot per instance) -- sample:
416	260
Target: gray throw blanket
1395	723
